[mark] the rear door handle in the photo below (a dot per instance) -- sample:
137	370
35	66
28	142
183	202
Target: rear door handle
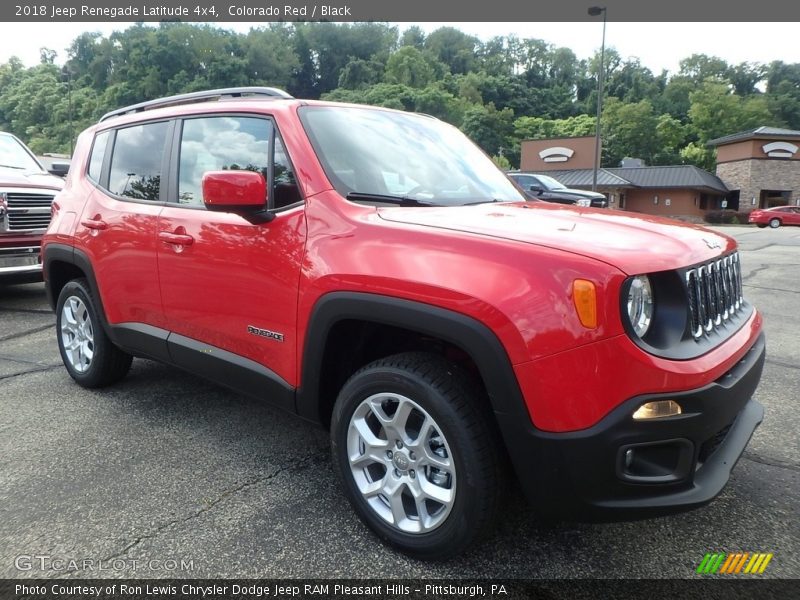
95	224
179	239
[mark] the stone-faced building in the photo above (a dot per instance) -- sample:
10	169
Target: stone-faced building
761	167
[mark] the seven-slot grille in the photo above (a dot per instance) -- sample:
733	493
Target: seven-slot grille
715	293
28	211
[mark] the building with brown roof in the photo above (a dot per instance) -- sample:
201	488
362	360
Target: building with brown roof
676	191
761	167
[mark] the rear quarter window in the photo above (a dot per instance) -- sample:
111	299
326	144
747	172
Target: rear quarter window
136	161
98	154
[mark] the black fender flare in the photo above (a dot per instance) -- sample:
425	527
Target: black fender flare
467	333
71	256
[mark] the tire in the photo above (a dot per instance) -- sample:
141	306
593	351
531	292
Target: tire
90	357
774	223
449	455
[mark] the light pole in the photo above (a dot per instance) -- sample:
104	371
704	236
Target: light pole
595	11
66	72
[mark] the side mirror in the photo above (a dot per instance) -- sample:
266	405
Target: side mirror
59	169
536	189
239	192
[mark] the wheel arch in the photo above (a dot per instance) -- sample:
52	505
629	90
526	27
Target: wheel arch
61	264
465	333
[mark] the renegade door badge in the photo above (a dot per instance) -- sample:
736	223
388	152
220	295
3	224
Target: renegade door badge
273	335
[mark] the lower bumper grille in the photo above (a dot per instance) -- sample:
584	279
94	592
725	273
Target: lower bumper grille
711	444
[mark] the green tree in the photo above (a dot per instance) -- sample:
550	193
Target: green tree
453	48
715	111
488	127
330	47
500	91
47	56
632	82
409	66
746	78
360	73
699	155
635	130
701	67
413	36
675	98
438	102
533	128
91	60
783	92
270	56
496	56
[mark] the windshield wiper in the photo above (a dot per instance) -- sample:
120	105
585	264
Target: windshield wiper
13	167
399	200
487	201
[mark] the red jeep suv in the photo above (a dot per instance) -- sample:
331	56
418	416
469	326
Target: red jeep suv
372	271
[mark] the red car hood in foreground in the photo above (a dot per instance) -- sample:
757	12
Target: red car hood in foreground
634	244
38	179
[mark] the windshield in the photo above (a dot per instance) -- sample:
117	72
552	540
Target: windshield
374	152
13	154
550	183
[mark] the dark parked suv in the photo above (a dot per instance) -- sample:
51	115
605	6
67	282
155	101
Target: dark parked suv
544	187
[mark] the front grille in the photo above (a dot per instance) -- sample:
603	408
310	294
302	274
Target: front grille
28	211
715	294
19	200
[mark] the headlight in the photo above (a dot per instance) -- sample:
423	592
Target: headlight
640	304
584	202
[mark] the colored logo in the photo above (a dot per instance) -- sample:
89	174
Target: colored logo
734	563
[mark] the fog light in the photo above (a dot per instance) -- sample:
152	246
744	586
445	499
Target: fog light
657	410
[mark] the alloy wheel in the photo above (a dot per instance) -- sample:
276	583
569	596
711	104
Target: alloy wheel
77	334
401	463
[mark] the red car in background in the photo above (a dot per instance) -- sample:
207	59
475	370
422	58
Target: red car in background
776	216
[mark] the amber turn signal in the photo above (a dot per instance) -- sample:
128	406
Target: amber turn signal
585	299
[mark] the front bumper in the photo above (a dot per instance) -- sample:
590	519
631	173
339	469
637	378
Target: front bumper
20	263
677	463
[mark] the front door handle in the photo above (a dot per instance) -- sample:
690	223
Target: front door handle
179	239
95	224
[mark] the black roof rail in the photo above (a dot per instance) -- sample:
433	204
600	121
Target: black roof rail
192	97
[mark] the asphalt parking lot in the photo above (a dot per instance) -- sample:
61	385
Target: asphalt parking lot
164	468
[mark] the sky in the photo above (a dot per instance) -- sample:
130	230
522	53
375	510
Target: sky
657	45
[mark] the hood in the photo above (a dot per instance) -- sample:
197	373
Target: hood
38	179
633	243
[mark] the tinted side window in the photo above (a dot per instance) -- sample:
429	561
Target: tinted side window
136	162
217	144
98	154
526	181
